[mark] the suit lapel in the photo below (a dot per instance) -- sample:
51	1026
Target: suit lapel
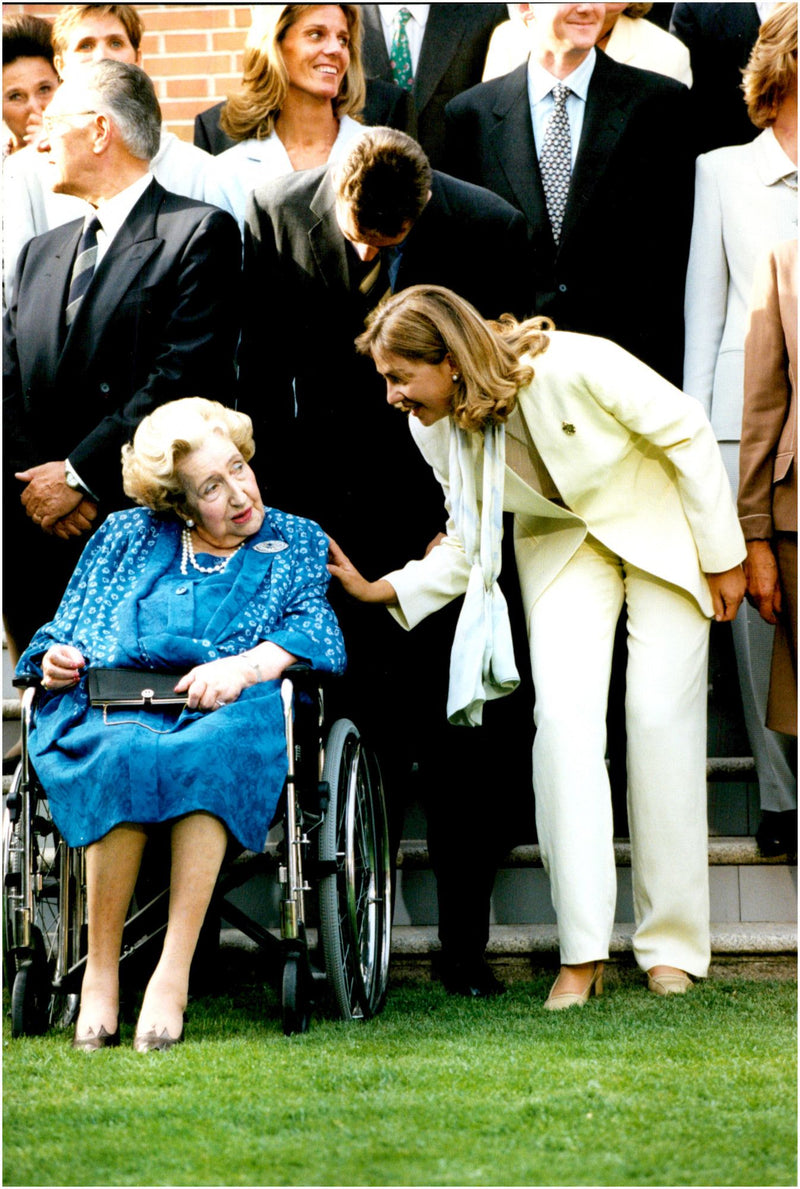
444	33
607	108
129	251
325	239
374	47
46	331
512	143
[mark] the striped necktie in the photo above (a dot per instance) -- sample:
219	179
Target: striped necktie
555	161
400	53
82	269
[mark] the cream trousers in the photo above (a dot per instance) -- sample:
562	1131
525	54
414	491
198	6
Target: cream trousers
571	634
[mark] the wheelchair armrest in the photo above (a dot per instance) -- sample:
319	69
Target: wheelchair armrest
25	682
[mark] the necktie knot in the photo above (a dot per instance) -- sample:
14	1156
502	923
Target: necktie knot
561	94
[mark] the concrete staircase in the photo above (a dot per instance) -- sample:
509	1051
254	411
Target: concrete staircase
753	912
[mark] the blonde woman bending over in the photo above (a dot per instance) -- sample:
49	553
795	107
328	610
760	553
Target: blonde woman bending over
620	498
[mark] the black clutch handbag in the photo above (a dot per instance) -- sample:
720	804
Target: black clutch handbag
133	688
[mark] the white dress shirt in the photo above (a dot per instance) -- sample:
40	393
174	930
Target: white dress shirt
112	213
540	97
415	28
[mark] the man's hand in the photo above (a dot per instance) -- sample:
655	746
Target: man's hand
763	583
47	498
77	523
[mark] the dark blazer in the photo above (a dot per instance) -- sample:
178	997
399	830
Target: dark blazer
385	105
719	38
302	315
619	268
452	58
349	461
159	321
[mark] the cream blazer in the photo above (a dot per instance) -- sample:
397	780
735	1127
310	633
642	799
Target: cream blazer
635	461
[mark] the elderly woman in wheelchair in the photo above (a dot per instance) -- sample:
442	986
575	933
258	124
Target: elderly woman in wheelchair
205	582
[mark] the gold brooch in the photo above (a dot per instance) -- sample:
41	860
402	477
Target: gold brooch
568	427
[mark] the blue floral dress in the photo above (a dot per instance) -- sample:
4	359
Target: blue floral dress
128	606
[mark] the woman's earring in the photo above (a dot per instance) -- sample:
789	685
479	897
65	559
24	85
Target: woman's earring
190	523
455	377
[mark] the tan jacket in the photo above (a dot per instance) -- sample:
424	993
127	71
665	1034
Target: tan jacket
768	451
635	461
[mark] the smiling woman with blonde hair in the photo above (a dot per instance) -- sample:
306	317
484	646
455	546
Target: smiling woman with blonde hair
302	90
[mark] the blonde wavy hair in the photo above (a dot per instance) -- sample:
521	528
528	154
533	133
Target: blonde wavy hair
251	112
429	323
771	72
171	433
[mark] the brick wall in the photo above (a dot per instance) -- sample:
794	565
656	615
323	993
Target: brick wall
192	52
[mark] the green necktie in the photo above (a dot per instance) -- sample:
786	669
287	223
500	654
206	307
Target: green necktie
400	54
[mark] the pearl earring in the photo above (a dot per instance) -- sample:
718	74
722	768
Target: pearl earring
455	377
190	523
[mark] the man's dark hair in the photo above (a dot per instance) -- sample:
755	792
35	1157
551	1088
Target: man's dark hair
384	180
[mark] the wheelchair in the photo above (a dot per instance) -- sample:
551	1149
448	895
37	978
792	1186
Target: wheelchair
333	869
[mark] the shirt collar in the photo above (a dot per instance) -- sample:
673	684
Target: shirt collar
775	163
113	213
418	11
541	81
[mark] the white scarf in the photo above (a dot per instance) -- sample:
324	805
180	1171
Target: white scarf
482	661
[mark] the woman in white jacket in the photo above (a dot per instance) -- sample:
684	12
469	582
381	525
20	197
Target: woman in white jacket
620	498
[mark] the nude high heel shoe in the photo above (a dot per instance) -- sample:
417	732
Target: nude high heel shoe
576	998
669	983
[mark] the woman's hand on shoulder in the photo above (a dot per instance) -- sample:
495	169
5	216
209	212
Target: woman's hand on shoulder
62	666
727	591
340	566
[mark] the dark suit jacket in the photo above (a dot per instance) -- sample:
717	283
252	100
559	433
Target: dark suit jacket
159	321
719	38
302	315
619	268
452	58
385	105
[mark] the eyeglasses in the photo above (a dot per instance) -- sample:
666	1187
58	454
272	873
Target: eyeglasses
50	123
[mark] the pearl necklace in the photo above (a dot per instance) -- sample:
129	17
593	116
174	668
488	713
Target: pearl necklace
187	555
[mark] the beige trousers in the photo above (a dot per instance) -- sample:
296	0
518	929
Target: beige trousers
571	634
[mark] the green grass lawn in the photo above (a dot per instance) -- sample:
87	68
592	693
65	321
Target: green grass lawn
631	1090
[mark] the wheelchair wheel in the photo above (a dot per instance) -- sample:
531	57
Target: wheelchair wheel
10	880
355	909
57	933
295	995
30	997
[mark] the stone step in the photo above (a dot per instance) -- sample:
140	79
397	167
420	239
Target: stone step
519	952
722	852
515	940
